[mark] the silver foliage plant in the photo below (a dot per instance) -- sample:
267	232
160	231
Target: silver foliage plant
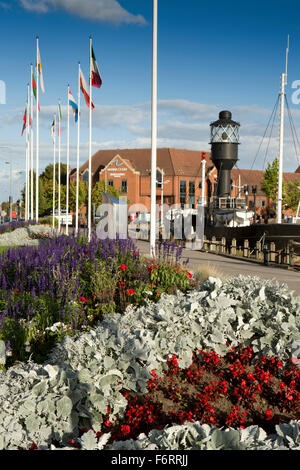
84	375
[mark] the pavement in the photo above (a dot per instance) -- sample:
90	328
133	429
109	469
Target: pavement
231	267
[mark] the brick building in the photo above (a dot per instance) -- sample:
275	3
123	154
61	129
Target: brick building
129	170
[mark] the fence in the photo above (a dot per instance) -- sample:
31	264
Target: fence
261	252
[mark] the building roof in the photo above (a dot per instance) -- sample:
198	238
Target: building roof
254	177
173	161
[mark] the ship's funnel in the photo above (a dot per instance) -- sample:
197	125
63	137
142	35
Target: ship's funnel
224	150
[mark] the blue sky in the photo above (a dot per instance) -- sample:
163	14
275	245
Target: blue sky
211	56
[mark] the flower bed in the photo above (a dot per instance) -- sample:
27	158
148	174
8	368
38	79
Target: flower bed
11	226
80	391
67	285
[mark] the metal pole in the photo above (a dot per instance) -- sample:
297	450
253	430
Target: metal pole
37	135
279	195
78	148
31	142
154	133
203	163
90	153
68	163
59	167
54	174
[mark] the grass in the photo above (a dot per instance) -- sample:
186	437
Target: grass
203	271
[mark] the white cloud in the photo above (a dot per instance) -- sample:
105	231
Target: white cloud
96	10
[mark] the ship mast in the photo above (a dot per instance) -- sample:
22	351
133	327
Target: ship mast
282	96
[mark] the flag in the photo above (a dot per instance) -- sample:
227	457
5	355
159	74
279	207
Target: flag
85	90
39	70
59	118
25	121
53	130
34	88
95	75
74	106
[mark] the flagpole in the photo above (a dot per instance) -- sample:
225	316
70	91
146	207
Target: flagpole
31	139
68	160
27	157
54	173
90	151
78	149
37	134
154	133
59	169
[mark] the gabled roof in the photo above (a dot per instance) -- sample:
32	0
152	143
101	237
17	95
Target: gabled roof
172	161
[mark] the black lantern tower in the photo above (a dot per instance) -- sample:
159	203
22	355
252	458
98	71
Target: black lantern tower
224	150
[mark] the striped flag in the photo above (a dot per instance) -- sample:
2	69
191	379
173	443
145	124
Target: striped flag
34	88
25	121
40	71
95	74
73	103
85	90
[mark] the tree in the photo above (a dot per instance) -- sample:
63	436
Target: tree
269	183
292	197
99	188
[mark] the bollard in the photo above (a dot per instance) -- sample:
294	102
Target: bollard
272	252
233	247
258	250
246	249
223	245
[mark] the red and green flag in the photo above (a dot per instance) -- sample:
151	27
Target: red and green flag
95	74
34	88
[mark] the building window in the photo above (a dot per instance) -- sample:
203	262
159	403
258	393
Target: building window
85	176
251	203
192	194
182	193
258	203
110	182
124	186
263	203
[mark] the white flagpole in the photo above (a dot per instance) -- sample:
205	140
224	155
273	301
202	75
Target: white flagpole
59	169
281	131
78	148
154	133
203	163
31	139
68	163
27	158
37	135
90	152
54	174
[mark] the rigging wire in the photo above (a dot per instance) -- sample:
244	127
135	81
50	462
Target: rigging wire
270	134
275	107
293	129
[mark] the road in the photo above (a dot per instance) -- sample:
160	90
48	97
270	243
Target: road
233	267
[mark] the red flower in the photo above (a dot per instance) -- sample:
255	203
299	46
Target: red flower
268	415
33	446
130	291
123	267
83	299
125	429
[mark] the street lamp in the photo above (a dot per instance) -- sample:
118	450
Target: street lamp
10	190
